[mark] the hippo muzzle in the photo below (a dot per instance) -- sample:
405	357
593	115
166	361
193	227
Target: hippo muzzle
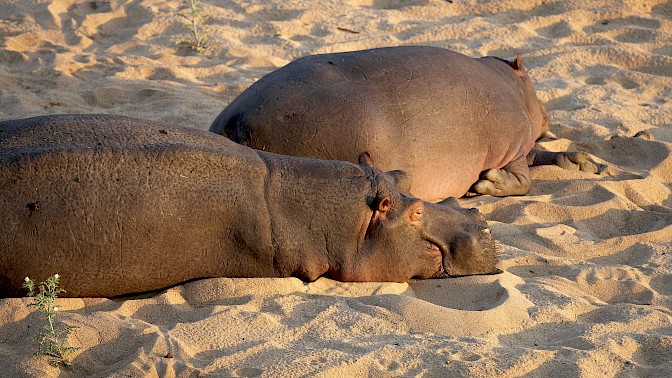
462	236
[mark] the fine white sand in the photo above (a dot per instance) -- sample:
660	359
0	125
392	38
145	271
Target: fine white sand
587	287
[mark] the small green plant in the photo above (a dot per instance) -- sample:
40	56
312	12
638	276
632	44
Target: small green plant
52	341
193	20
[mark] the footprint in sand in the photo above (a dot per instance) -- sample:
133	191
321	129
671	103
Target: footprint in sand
625	82
467	356
661	360
610	25
386	4
639	153
262	13
615	285
617	223
249	372
636	35
560	29
662	284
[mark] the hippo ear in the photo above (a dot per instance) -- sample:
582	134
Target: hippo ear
384	205
516	63
365	160
381	212
402	181
517	66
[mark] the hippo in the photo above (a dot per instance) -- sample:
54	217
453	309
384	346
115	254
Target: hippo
455	124
117	205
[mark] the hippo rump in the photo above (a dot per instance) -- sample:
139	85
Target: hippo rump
117	205
452	122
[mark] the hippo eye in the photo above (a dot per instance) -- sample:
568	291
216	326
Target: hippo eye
414	213
416	217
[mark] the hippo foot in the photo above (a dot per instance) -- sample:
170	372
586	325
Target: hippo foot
573	161
576	161
513	179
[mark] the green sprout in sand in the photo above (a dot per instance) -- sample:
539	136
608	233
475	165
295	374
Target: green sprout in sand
52	341
193	23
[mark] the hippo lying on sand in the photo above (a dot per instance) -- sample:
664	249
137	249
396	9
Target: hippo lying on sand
450	121
117	205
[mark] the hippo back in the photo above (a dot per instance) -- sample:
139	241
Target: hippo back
99	198
439	115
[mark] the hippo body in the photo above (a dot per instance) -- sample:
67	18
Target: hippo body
118	205
445	118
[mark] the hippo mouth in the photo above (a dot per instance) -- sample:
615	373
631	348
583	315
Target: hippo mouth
487	249
435	248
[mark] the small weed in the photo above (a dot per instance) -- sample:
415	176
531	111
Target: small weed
193	20
52	341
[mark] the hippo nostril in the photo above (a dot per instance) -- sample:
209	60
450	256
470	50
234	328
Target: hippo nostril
474	212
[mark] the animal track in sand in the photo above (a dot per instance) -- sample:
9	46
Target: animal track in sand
615	285
636	256
386	4
662	284
621	313
612	28
636	35
111	95
467	356
595	80
628	152
273	13
591	197
662	359
84	22
625	82
619	58
618	223
541	270
249	372
560	29
551	334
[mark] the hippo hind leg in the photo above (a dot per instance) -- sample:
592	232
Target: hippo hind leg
573	161
512	179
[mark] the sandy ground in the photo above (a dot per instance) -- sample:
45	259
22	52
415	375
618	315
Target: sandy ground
587	287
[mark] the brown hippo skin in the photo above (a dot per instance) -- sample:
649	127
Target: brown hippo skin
118	205
450	121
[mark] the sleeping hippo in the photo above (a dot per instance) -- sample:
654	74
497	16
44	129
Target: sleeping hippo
452	122
118	205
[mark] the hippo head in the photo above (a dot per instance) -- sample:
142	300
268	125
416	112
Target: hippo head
407	237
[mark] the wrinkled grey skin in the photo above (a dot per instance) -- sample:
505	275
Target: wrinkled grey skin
117	205
450	121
